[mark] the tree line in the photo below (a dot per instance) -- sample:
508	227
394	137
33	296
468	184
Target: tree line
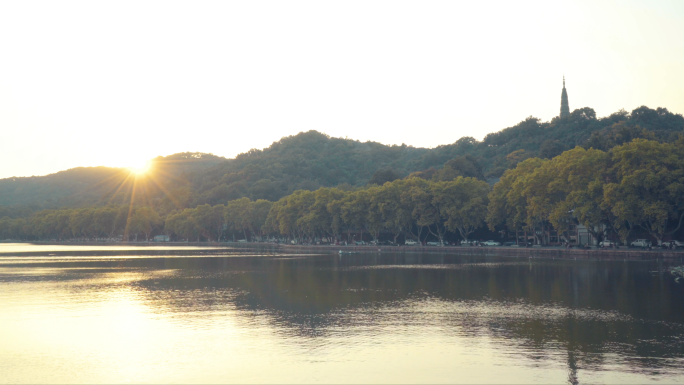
636	187
414	207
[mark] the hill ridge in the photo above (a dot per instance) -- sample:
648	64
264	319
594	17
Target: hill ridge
309	160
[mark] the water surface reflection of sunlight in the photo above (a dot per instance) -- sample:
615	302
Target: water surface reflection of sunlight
35	248
303	321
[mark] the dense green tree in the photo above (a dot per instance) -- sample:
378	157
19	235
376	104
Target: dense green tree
550	148
259	211
578	185
464	166
144	220
19	229
507	204
105	220
356	209
380	177
387	202
425	214
81	223
5	227
648	186
428	174
238	215
408	191
318	219
462	204
618	134
184	224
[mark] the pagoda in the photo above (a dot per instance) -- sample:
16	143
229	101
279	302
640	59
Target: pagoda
565	109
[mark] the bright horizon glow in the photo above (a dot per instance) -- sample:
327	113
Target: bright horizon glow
142	168
118	83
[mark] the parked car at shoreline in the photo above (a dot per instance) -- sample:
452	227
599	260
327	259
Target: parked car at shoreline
387	243
410	242
468	242
608	243
491	243
359	243
674	244
382	243
509	243
640	243
435	243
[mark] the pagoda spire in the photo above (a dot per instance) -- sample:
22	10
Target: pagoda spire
565	109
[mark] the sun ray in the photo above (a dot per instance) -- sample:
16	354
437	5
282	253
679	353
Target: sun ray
130	210
116	184
167	174
166	192
146	201
102	182
119	189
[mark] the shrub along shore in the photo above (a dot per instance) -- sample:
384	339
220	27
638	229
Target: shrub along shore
222	248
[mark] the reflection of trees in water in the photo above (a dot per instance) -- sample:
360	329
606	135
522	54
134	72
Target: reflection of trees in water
587	309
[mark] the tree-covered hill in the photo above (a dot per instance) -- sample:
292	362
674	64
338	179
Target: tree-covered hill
310	160
86	186
502	150
51	190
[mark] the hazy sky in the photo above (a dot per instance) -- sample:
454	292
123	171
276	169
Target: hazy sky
115	83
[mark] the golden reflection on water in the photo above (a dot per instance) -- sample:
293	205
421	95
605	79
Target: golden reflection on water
28	247
269	320
25	260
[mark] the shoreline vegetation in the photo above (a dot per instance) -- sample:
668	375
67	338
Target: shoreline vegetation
633	191
623	181
216	248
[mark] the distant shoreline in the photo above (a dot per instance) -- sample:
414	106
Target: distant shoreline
507	251
212	248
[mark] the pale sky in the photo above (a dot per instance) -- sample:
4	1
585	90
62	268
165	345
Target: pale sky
116	83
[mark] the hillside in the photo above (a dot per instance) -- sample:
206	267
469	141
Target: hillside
50	190
310	160
502	150
86	186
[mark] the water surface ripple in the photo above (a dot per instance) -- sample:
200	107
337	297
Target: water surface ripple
390	318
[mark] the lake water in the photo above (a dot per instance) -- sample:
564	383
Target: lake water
41	248
388	318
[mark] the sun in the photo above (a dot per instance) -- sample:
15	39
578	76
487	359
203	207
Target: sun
141	169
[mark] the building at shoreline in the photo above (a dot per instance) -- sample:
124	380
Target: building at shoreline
565	108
